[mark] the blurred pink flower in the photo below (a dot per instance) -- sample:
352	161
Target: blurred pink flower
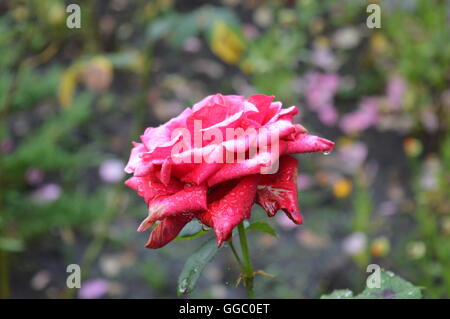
46	194
303	181
93	289
328	115
352	155
430	120
354	243
324	58
111	170
6	145
363	118
34	175
388	208
320	91
251	32
395	92
192	45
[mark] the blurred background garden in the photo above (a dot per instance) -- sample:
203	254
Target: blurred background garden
72	100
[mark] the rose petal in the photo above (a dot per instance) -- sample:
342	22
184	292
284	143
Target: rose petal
190	199
305	143
230	210
236	170
155	137
167	230
149	187
279	191
135	158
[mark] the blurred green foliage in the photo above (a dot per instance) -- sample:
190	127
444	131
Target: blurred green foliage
70	99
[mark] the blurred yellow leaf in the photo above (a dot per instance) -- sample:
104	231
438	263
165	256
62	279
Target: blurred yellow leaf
67	86
226	43
378	43
247	66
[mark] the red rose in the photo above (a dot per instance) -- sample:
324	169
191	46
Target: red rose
214	161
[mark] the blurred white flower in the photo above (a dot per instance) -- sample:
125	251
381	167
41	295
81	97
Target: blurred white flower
354	243
346	38
110	266
263	16
430	173
111	171
40	280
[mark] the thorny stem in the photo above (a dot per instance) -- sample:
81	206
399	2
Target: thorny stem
247	268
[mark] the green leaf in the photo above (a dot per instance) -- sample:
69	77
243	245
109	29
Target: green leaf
391	287
339	294
192	230
11	244
262	227
194	266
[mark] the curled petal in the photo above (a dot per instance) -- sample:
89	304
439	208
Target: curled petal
190	199
135	159
145	168
154	137
163	150
305	143
167	230
279	191
149	187
166	169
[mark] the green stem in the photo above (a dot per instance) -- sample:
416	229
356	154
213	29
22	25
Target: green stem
248	273
235	253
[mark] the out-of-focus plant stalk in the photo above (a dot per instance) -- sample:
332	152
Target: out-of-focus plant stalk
4	275
248	273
